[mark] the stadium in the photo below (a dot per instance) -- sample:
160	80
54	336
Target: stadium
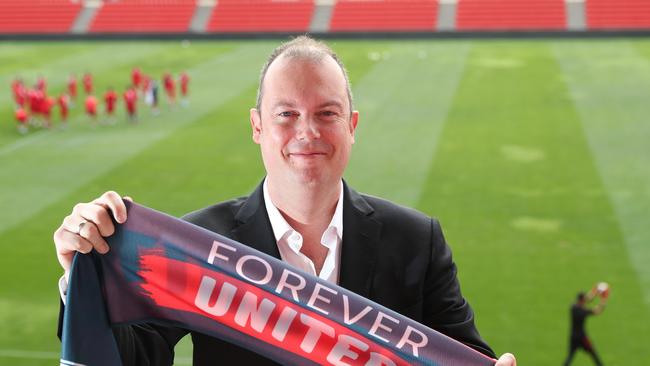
522	125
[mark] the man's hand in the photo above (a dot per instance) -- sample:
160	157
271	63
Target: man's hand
87	226
507	359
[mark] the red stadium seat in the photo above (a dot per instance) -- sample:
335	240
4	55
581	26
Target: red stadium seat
511	15
384	15
156	16
261	15
618	14
37	16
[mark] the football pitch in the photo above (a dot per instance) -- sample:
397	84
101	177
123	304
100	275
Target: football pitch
534	155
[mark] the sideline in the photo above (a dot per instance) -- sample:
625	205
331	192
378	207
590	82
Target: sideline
49	355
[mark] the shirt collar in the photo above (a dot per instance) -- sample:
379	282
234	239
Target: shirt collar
281	227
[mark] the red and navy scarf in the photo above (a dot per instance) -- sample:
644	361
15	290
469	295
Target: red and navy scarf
166	271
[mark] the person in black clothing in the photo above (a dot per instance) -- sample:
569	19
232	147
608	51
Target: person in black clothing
304	122
579	314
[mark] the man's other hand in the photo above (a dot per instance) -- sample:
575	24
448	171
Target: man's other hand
87	226
507	359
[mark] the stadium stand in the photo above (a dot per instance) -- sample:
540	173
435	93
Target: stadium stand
261	16
143	16
511	15
297	16
37	16
618	14
384	15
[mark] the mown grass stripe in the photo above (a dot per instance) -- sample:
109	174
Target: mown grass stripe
403	102
610	86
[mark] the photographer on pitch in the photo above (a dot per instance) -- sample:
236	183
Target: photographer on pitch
579	314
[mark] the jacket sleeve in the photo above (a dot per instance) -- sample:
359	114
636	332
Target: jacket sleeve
445	308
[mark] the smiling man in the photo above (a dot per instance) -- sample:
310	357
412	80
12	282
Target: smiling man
305	214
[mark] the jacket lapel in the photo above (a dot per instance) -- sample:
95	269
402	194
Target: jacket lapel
361	234
252	225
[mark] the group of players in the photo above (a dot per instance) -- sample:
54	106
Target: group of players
34	106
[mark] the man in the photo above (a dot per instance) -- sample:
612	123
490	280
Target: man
41	84
91	108
131	101
579	314
72	88
110	100
63	101
36	101
136	77
88	83
170	88
304	214
46	109
185	82
19	92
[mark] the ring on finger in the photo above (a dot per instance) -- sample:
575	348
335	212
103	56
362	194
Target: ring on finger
81	226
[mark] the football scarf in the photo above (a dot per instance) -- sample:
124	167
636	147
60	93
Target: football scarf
163	270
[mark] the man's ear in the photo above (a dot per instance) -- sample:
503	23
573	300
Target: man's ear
256	125
354	120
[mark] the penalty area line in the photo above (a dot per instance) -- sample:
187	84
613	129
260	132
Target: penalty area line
45	355
40	355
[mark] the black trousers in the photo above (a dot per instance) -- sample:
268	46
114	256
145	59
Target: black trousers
585	344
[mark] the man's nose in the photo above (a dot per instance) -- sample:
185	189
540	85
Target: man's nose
307	129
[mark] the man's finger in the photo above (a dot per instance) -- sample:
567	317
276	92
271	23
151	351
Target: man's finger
507	359
67	243
97	215
91	233
115	204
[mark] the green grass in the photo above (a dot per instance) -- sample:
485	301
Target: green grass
533	154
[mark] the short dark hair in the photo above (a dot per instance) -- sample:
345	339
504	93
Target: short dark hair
581	296
303	47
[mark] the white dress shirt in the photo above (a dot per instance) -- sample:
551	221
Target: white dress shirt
290	241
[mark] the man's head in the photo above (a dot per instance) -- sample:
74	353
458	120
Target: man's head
581	297
304	122
307	48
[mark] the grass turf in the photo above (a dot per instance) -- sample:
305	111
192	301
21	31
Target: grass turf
509	143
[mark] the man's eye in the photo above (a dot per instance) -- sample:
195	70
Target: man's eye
328	113
285	114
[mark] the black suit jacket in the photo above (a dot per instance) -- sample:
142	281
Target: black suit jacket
390	254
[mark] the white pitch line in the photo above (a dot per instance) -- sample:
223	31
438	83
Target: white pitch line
47	355
24	141
40	355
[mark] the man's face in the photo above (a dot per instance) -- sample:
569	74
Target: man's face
304	129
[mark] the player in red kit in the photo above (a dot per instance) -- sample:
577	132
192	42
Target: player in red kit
136	77
185	82
88	83
170	88
36	101
19	92
46	109
110	99
131	99
91	108
21	119
64	103
72	88
41	84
